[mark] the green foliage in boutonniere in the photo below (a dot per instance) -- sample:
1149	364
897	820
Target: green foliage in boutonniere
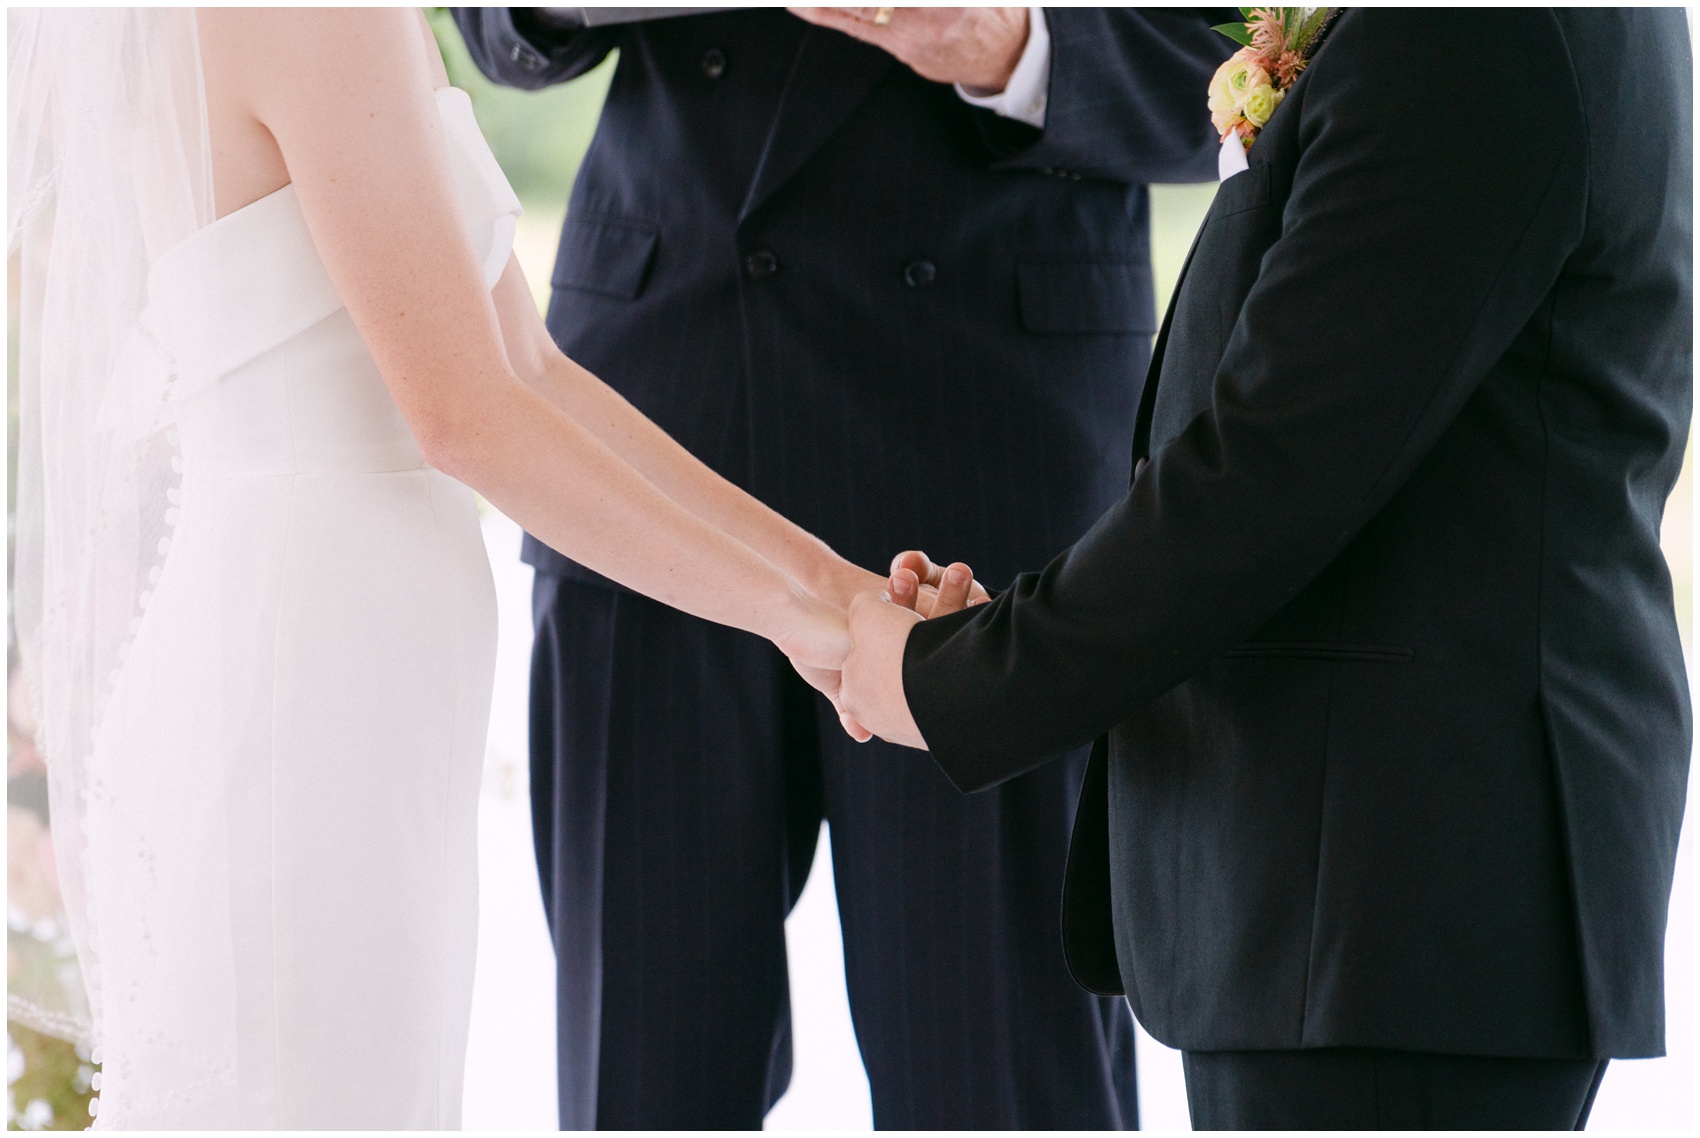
1275	45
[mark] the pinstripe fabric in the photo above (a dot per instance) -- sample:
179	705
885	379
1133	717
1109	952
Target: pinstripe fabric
741	260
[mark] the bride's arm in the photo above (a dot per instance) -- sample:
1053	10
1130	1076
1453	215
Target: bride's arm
348	97
675	471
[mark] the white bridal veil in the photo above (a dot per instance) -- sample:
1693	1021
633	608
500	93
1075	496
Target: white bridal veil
108	169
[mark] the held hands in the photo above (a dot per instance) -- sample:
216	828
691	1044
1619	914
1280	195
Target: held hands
871	692
818	641
976	47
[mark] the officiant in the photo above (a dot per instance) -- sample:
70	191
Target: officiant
889	270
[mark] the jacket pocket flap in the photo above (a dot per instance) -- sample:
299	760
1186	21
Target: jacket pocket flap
1087	295
606	257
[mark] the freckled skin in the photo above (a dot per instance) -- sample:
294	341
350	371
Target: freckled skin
573	462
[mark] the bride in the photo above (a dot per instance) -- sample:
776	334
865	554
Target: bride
271	333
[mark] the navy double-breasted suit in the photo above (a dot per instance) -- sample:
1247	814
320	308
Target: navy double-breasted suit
904	322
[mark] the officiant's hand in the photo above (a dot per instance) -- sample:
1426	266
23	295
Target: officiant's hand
976	47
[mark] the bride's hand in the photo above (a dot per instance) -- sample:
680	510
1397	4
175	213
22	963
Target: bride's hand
919	585
843	580
812	631
813	643
830	683
816	641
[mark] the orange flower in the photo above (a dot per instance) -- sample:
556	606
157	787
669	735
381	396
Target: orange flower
1233	82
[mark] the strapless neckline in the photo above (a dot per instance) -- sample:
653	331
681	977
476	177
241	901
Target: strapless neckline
252	279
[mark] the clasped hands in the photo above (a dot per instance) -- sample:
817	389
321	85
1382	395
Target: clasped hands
867	687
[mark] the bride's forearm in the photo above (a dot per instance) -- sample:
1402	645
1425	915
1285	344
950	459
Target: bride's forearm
652	452
684	478
556	478
355	139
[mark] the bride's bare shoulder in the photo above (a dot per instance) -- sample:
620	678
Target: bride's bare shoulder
296	51
282	80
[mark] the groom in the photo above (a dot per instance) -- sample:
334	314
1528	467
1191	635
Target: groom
1379	645
826	259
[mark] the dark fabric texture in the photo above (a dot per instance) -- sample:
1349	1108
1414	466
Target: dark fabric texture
905	323
1381	634
680	775
1365	1089
824	384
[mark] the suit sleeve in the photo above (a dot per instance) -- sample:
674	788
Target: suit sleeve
1427	222
513	49
1126	99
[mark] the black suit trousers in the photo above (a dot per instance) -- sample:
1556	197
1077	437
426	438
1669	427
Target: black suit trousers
680	772
1360	1088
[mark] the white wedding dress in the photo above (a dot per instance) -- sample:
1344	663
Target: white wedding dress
295	941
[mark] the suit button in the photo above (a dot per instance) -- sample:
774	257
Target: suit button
714	63
919	274
761	263
1139	466
526	58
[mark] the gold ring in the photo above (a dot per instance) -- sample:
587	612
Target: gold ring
882	16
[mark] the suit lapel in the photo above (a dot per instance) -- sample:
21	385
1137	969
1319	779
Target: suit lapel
1148	395
830	77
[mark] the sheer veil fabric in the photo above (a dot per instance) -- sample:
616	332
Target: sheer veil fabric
258	627
108	169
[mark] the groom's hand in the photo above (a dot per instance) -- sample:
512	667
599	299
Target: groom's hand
976	47
917	586
871	686
872	691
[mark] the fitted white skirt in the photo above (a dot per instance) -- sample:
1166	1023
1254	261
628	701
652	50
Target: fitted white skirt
282	830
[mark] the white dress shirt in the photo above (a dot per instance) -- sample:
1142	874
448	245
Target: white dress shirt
1231	159
1023	97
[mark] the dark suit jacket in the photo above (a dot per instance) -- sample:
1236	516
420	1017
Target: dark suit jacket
899	320
1398	728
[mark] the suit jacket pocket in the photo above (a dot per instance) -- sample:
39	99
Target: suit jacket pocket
1320	650
1087	294
605	256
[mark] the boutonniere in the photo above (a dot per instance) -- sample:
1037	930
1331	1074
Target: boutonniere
1275	45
